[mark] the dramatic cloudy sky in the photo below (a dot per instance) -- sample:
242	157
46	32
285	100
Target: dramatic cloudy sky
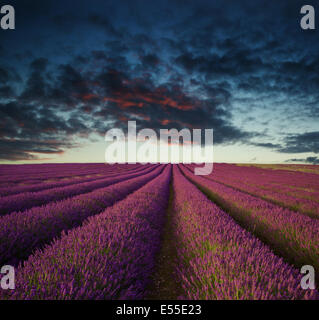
74	69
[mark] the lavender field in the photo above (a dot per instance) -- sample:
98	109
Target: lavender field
97	231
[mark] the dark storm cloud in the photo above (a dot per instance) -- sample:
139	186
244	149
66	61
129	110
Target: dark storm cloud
39	64
312	160
6	92
8	75
169	64
20	121
166	106
61	87
29	123
104	23
35	88
150	61
29	150
4	75
235	64
300	143
267	145
93	98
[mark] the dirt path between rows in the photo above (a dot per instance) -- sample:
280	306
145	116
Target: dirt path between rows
165	284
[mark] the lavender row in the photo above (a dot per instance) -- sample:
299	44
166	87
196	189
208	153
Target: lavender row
262	185
294	236
21	169
56	173
24	201
304	184
55	170
45	185
220	260
110	257
22	233
45	167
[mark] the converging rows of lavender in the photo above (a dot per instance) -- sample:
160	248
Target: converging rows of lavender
97	231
